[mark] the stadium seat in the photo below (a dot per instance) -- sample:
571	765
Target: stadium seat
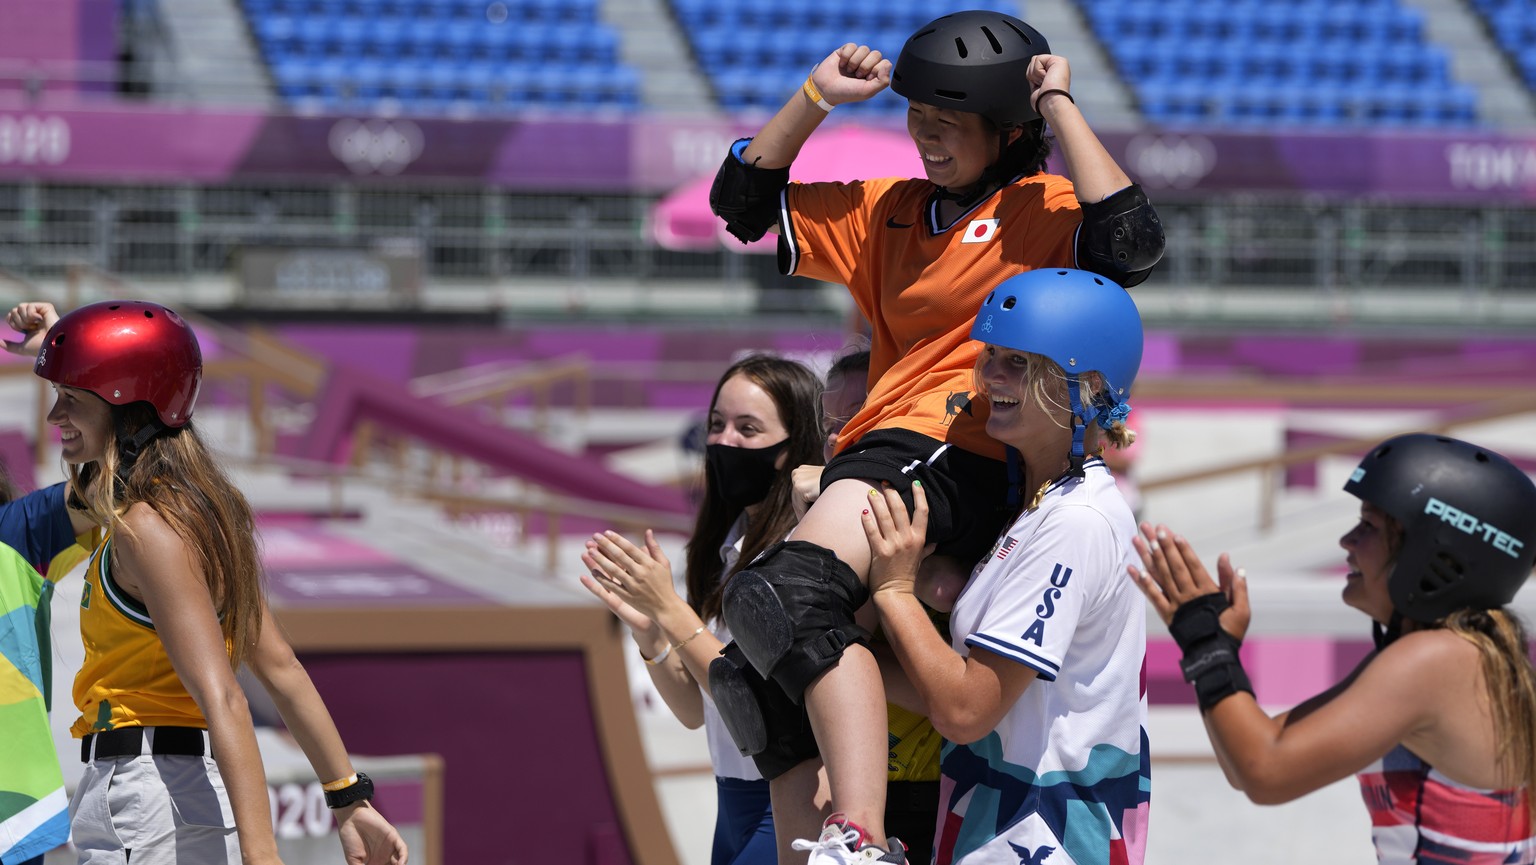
1513	24
741	46
428	56
1305	62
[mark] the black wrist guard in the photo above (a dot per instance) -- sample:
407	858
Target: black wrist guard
745	196
1210	662
358	791
1197	620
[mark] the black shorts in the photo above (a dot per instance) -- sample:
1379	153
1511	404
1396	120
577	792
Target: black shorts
967	493
912	814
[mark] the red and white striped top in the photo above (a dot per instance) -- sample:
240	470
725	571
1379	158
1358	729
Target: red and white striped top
1420	816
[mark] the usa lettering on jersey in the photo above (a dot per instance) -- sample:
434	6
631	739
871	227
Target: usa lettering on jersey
1060	576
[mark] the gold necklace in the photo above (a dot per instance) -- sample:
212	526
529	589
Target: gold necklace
1040	493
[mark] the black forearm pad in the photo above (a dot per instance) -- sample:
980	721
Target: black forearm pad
747	197
1122	237
1211	662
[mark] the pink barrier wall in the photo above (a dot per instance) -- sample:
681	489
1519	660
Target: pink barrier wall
40	30
54	38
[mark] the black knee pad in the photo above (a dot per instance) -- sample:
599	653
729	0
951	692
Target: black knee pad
764	723
736	689
791	612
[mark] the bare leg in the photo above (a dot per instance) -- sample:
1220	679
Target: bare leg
847	709
847	702
801	803
834	522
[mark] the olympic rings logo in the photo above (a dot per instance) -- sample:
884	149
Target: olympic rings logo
1170	161
376	146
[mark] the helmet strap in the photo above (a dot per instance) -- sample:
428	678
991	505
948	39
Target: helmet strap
1079	427
1384	637
993	178
130	445
1015	478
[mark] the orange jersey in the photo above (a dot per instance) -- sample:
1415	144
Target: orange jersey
920	284
127	679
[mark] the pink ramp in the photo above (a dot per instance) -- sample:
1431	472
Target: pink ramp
351	395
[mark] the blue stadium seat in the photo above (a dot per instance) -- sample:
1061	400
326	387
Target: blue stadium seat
742	44
313	35
457	40
1302	62
710	46
496	42
349	36
385	37
439	55
406	81
278	33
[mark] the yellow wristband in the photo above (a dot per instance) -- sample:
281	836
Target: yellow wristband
343	784
813	94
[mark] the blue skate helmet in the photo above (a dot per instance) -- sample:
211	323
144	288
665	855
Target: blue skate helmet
1082	321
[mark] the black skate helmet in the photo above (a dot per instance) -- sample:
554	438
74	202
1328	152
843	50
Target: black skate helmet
1468	518
971	61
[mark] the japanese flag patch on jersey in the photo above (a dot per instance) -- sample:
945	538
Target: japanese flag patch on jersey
980	231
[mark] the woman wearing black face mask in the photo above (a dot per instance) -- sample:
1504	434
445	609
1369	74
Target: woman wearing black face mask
763	421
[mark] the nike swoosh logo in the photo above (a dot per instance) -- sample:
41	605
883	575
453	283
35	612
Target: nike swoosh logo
892	223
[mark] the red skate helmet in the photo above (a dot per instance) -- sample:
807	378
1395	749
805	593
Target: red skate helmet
126	351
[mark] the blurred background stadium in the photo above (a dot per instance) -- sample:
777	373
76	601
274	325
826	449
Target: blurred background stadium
463	302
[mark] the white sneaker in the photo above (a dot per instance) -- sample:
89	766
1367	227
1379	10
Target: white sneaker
842	842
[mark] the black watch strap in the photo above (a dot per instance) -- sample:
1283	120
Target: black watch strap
360	790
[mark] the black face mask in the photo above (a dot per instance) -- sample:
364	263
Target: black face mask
742	476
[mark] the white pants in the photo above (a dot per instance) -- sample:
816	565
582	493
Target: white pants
151	810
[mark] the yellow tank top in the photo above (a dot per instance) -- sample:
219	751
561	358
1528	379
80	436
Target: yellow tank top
915	747
127	679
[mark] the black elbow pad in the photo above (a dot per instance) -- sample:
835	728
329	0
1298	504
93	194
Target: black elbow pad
745	196
1121	237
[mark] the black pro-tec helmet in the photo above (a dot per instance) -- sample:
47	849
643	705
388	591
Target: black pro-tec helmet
1468	518
971	61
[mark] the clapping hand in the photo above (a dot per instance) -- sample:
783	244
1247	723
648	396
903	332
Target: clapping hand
1171	575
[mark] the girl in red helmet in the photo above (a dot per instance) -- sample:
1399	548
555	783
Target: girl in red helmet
1439	723
172	607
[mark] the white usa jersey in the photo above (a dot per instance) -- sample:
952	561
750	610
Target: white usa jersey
1064	779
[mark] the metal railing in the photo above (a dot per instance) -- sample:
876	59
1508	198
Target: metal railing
1462	405
1319	252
